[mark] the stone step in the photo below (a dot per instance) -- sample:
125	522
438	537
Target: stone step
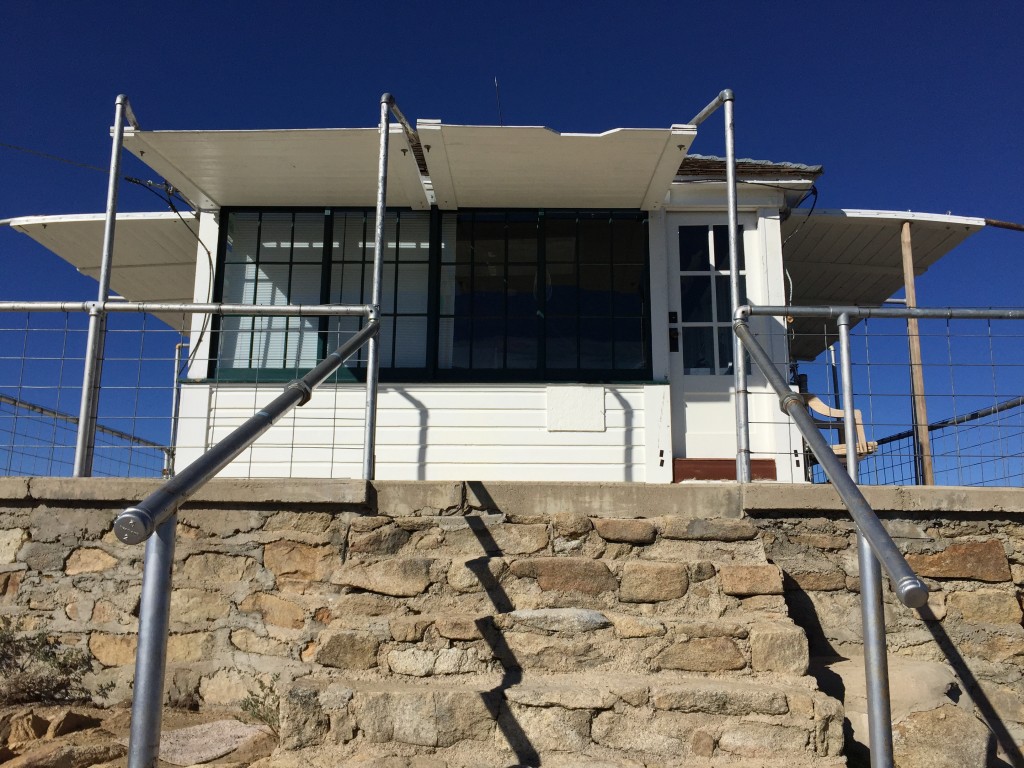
560	720
557	640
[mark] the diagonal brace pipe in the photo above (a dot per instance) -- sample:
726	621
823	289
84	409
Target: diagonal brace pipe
909	588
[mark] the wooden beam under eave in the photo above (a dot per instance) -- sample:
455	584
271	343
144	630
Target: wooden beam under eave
921	438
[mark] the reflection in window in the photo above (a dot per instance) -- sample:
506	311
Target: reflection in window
545	291
705	306
514	295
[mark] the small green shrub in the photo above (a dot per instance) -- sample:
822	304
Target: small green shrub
264	704
36	668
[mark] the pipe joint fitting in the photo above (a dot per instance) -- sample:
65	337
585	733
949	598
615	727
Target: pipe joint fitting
786	400
303	387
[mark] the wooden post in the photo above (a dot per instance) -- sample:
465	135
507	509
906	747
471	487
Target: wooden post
923	448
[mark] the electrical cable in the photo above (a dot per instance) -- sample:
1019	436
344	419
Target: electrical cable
169	192
812	191
48	156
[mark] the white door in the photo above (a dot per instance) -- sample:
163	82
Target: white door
700	333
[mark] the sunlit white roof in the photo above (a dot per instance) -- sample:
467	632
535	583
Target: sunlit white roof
854	257
318	167
465	166
154	253
474	166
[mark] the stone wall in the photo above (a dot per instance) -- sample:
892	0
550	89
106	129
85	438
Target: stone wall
623	622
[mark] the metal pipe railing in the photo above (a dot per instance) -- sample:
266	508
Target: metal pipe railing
910	590
387	105
876	659
157	513
135	524
930	313
727	100
96	339
153	307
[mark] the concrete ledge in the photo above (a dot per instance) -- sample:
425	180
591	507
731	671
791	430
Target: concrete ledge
778	497
102	490
704	500
626	500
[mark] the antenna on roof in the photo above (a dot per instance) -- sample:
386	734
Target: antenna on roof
497	96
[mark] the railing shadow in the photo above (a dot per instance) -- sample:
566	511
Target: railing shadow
973	688
494	699
421	455
627	432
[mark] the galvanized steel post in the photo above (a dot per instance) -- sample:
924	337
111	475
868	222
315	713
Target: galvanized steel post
93	366
876	661
372	353
739	360
151	652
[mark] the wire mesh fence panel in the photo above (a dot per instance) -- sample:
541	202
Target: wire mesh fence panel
973	374
42	356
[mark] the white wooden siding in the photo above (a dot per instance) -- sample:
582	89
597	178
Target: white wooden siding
433	432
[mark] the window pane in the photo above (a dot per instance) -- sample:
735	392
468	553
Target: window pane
410	342
308	239
522	284
522	241
489	242
276	237
723	300
595	240
721	235
241	244
414	244
488	342
629	241
693	249
561	342
560	240
698	351
629	290
596	342
412	288
522	343
695	299
629	348
349	236
562	294
725	350
595	289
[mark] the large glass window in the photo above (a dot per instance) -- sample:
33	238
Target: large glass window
705	308
513	295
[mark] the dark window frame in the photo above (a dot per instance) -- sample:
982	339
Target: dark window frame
431	371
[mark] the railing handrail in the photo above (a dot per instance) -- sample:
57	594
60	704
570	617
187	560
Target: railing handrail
151	307
923	313
137	523
909	588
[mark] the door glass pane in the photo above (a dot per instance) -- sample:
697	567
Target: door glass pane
698	351
695	299
693	249
721	236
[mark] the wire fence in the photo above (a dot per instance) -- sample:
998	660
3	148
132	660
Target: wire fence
973	373
159	407
41	362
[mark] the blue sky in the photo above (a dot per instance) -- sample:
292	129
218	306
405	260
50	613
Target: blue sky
907	106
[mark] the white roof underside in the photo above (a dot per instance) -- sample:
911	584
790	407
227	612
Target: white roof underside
154	253
335	166
467	166
473	166
854	257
